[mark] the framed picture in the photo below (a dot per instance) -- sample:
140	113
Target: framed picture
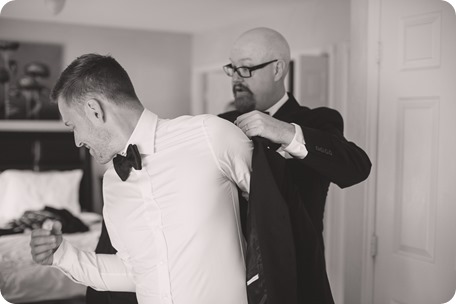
27	73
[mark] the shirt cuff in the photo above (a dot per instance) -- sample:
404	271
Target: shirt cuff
60	259
297	147
59	254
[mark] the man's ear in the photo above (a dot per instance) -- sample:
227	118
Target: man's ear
279	71
94	110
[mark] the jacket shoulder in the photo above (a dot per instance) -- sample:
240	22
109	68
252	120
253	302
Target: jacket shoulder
319	117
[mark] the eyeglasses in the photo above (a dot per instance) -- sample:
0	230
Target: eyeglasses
244	71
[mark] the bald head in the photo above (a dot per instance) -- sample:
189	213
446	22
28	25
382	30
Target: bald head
261	44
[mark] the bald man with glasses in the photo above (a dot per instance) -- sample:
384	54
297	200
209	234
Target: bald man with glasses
311	141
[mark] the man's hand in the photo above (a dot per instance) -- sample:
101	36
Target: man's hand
256	123
45	242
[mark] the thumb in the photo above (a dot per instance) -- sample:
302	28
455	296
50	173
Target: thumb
57	227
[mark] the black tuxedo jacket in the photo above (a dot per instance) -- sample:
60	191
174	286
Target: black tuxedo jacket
302	186
285	257
331	158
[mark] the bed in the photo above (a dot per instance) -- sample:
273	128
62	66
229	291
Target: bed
42	169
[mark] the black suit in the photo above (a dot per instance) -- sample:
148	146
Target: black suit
331	158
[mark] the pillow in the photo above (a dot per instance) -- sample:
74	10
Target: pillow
22	190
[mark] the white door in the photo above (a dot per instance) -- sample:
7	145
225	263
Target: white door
416	185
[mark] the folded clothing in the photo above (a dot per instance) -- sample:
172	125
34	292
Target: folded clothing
35	219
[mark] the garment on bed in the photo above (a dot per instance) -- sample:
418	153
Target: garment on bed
24	281
35	219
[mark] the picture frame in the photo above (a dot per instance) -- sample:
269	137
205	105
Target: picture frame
28	71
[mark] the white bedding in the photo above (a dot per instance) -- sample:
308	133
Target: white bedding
21	280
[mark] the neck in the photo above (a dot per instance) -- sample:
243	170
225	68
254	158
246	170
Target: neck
124	123
275	96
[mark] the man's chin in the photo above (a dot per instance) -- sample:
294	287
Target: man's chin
100	159
103	161
244	103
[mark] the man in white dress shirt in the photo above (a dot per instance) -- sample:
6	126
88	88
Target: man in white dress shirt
174	216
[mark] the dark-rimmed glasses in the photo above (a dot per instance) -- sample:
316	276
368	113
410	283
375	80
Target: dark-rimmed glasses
244	71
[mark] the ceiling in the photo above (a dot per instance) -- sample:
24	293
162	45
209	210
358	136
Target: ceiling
186	16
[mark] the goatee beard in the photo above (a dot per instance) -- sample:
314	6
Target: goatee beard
245	102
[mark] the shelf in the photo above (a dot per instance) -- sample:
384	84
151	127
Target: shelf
33	126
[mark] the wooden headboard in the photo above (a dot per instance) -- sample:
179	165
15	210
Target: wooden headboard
44	151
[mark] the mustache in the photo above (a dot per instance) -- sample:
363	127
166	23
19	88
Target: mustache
240	87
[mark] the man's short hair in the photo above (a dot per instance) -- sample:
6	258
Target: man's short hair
94	74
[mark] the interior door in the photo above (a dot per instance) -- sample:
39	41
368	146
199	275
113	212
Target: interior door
416	184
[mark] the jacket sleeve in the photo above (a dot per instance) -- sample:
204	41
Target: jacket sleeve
329	153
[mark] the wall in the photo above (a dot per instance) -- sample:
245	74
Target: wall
306	25
158	63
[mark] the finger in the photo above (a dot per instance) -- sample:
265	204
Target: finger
43	249
253	132
247	116
40	232
242	124
43	258
42	240
39	256
245	127
254	118
57	228
248	123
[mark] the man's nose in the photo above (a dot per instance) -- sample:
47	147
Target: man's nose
236	78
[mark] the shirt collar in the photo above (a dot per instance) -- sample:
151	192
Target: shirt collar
275	107
143	135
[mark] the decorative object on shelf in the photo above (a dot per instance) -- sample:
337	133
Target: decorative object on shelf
55	6
27	72
7	72
31	86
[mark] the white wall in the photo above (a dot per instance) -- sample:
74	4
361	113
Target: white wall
306	25
159	64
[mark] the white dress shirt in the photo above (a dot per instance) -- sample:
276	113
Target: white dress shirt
297	147
175	223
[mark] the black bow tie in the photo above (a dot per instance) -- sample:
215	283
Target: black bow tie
123	165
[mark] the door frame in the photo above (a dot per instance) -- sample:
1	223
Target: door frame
372	51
